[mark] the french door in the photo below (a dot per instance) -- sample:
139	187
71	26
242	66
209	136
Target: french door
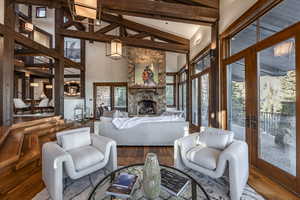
200	99
262	96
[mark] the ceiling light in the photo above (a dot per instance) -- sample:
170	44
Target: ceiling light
86	8
283	48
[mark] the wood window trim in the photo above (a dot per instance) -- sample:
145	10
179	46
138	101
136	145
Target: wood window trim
111	85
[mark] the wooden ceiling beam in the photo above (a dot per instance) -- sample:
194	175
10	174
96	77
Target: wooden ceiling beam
34	72
107	28
50	4
179	48
163	10
142	28
208	3
71	64
140	35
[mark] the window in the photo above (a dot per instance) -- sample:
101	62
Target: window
200	90
73	49
182	90
41	12
275	20
202	64
109	97
170	90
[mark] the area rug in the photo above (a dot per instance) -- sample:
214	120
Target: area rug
80	189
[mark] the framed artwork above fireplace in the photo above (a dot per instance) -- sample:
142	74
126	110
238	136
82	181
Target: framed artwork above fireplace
146	74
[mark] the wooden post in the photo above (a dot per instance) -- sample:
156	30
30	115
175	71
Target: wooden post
214	78
59	64
188	90
7	67
82	72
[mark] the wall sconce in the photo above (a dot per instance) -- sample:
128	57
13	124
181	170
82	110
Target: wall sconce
34	84
49	86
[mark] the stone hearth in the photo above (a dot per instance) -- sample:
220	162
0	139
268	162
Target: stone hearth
138	93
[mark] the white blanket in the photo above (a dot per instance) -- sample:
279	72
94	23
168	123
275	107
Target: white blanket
125	123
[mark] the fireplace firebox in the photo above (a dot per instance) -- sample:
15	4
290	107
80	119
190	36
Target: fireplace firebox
147	107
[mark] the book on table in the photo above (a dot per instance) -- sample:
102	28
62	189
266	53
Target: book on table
122	185
172	182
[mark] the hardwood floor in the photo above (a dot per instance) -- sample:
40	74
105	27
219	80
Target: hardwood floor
26	189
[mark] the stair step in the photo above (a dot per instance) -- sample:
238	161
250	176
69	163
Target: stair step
35	122
4	131
31	152
11	149
43	126
54	129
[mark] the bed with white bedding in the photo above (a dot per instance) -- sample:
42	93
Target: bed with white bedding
162	131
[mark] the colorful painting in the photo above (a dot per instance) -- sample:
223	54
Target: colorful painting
146	74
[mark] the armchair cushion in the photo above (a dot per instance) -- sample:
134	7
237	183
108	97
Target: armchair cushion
85	157
75	140
204	157
215	138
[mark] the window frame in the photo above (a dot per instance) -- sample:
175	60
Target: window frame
174	89
112	85
37	9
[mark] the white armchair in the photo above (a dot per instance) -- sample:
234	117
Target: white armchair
212	152
76	153
20	105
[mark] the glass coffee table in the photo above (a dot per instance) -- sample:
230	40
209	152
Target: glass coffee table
193	191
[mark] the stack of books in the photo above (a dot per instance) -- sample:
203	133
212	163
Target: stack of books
122	186
172	182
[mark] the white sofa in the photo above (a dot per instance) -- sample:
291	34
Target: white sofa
212	152
146	134
76	153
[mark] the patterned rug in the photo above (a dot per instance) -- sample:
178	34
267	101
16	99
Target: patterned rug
80	189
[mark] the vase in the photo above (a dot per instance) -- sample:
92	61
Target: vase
151	177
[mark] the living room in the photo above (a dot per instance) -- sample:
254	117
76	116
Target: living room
179	99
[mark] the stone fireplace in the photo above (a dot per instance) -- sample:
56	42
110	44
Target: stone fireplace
147	107
146	100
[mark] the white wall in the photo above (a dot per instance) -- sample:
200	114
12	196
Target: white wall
230	10
2	11
181	61
46	24
200	40
100	68
171	62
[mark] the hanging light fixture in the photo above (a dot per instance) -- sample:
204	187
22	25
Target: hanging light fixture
28	27
114	49
86	8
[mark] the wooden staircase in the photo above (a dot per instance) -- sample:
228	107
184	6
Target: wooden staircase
20	149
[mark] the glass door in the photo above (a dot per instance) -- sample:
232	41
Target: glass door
236	99
275	120
200	100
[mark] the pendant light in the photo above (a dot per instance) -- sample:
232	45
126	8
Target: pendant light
90	9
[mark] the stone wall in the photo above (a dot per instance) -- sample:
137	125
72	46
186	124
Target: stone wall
136	92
